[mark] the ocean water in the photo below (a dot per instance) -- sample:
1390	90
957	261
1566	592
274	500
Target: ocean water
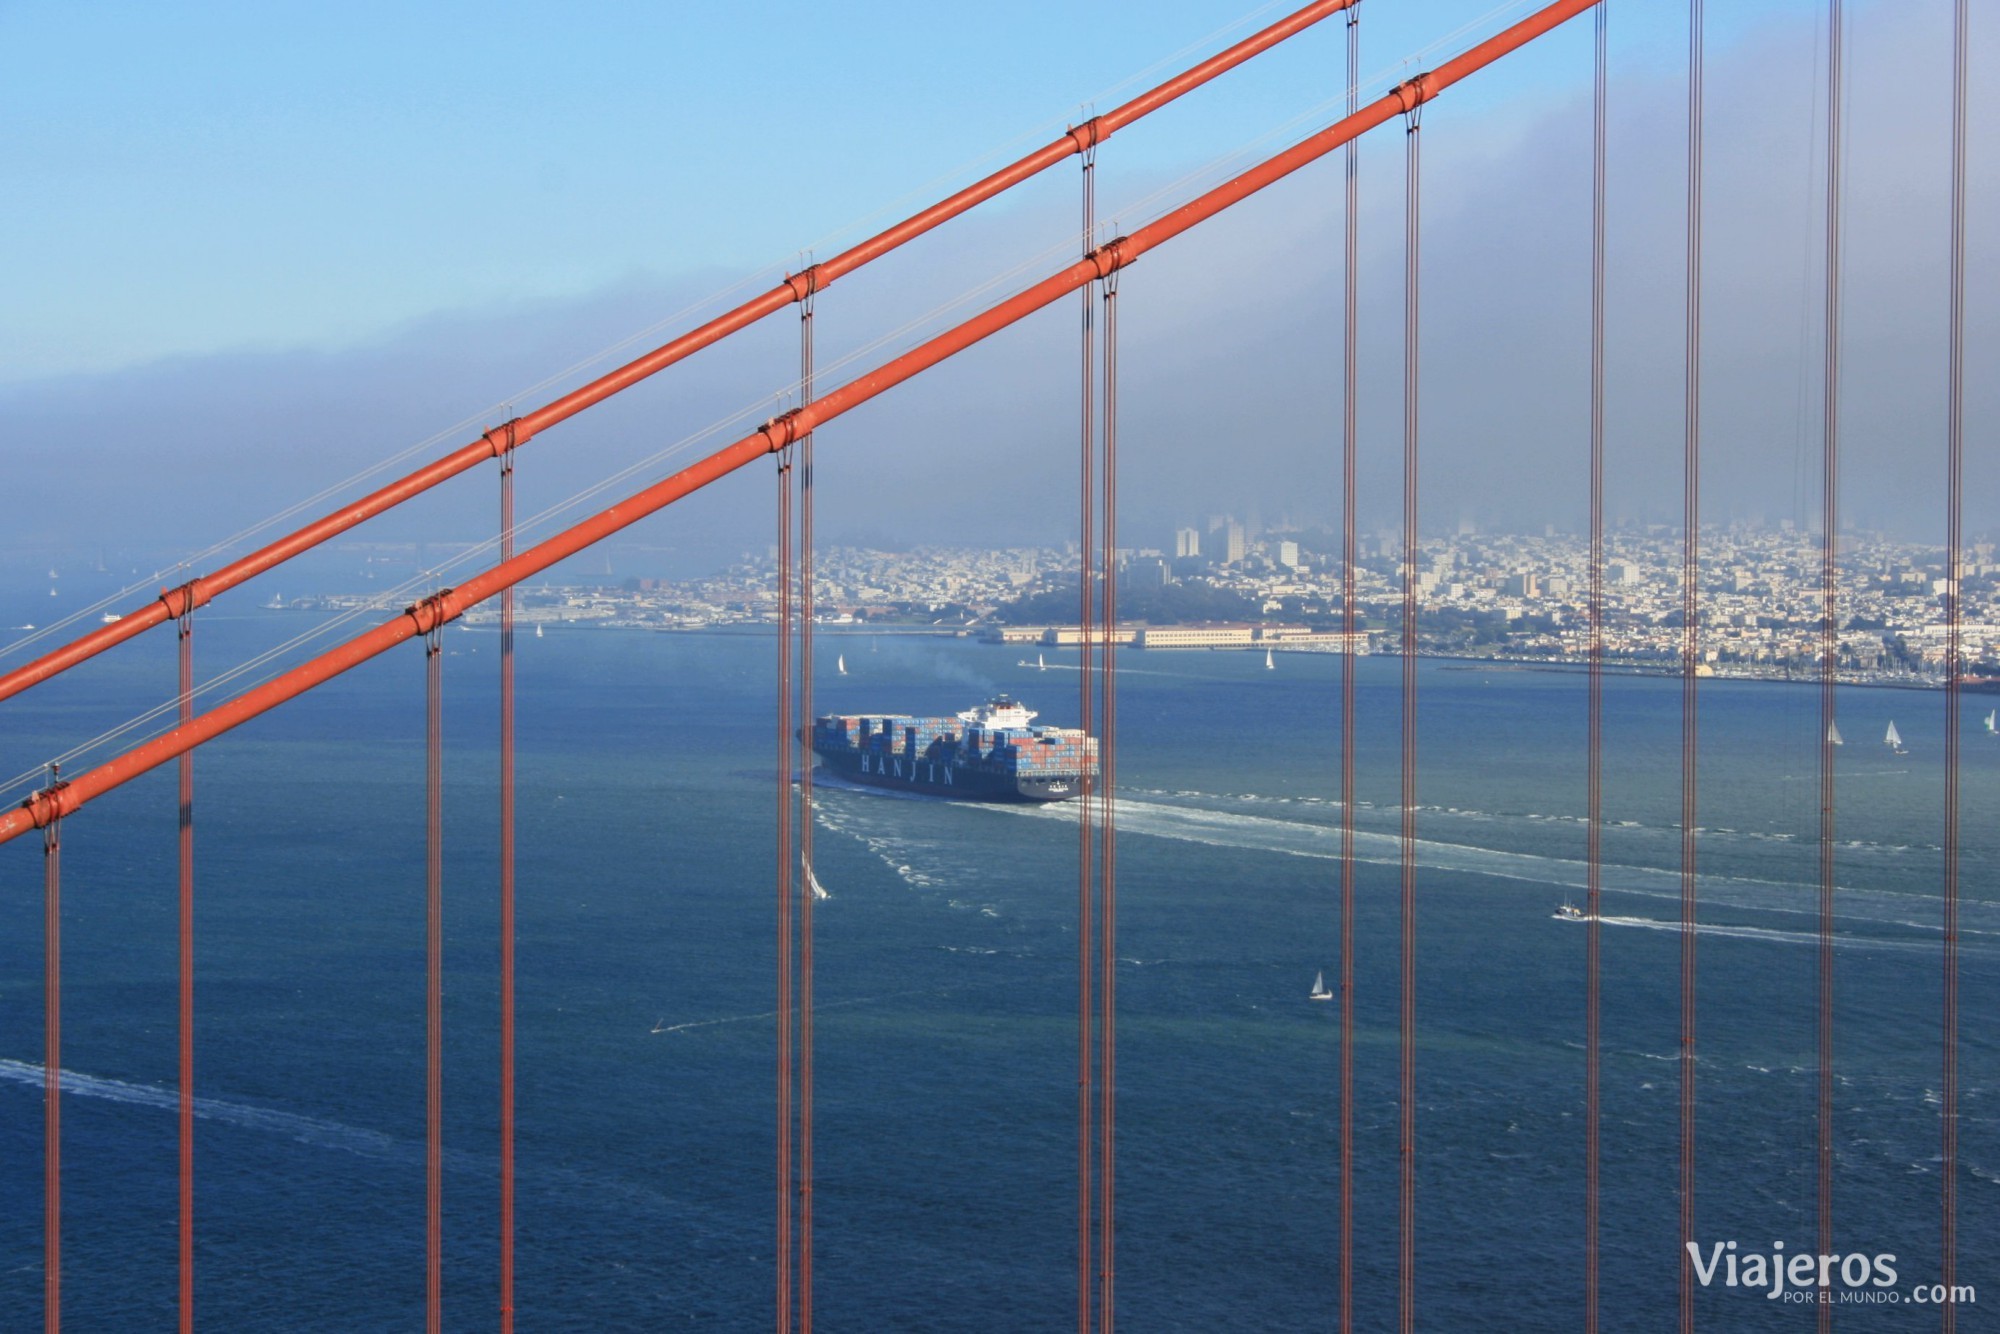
947	971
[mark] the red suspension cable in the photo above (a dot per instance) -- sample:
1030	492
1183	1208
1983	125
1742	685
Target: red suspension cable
52	1070
434	982
787	1234
1107	765
507	903
774	435
1407	1266
806	880
1350	376
793	289
1086	962
1690	660
186	1099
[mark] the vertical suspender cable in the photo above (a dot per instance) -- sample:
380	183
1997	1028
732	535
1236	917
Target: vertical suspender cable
1690	656
52	1068
1107	924
1086	961
507	902
1594	820
806	880
1407	1266
1349	376
786	1233
1829	641
1954	667
434	980
186	851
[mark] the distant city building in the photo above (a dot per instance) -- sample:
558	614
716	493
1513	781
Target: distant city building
1521	586
1147	574
1288	555
1234	544
1187	542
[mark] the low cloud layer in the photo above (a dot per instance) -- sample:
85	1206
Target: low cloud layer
1231	355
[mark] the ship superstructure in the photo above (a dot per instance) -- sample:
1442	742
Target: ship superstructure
989	753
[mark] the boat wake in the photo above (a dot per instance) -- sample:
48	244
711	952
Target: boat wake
1298	838
304	1129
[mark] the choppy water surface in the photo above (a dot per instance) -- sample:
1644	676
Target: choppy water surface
947	975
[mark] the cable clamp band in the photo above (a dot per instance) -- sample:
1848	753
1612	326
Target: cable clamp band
1087	136
1108	258
504	438
1411	94
803	283
781	430
180	602
44	808
434	612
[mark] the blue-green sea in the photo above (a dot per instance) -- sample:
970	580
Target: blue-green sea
946	954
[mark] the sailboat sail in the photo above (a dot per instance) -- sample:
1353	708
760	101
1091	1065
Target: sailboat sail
1319	991
840	663
1833	737
1893	739
1991	714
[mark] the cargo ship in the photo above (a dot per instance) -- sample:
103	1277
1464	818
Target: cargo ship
989	753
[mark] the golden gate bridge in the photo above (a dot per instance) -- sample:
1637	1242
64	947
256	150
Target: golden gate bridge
56	808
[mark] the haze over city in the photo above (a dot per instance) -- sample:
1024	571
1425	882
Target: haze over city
266	328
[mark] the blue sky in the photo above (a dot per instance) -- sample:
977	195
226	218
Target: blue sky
198	178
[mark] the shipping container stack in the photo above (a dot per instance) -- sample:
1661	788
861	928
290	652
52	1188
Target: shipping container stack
1037	751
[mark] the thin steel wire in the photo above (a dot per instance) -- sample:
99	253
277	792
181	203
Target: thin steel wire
1690	660
1829	647
1954	673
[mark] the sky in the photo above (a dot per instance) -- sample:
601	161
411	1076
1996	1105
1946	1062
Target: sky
260	249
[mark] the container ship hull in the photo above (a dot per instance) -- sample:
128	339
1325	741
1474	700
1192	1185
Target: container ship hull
948	780
989	753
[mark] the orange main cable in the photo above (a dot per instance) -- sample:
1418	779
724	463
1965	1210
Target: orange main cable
520	430
39	809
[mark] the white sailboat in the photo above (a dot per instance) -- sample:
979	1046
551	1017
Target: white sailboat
1268	664
1894	739
1991	730
840	663
1042	665
1833	737
1319	991
812	883
538	629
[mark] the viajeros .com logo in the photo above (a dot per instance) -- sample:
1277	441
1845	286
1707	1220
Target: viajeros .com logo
1856	1278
